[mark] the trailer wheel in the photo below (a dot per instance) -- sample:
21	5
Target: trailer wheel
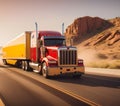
26	65
23	65
4	62
44	70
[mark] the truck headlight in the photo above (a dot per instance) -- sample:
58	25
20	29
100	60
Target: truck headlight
52	63
80	62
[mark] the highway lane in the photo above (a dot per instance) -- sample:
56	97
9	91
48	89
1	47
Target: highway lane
19	90
104	91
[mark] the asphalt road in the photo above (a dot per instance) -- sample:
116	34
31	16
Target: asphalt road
21	88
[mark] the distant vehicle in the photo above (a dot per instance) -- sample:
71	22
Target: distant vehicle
45	52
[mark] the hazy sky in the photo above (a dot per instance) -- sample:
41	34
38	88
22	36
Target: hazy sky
17	16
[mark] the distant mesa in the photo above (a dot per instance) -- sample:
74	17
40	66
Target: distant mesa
100	35
84	27
94	31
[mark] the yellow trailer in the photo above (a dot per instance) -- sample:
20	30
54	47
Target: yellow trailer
17	49
45	52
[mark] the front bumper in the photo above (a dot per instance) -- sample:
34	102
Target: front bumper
66	70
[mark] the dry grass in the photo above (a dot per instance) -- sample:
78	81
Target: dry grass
101	56
113	64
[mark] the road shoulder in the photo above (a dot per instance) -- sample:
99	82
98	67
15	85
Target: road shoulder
103	72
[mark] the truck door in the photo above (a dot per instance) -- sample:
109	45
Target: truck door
42	49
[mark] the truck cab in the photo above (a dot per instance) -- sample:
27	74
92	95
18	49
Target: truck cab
50	56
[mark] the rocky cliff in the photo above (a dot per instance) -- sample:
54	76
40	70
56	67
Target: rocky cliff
85	27
101	37
94	31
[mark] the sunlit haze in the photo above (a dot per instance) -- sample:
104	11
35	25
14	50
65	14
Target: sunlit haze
17	16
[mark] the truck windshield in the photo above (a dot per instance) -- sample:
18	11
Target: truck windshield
54	42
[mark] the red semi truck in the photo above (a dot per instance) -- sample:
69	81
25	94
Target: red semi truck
45	52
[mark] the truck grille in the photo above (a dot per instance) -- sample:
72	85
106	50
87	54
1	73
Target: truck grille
68	57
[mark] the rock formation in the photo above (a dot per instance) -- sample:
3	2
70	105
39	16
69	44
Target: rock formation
84	27
98	38
109	36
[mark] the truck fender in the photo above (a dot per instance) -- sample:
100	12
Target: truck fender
45	60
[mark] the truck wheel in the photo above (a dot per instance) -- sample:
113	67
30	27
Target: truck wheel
44	70
39	70
23	65
26	65
4	62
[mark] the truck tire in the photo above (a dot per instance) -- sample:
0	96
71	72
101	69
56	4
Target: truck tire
44	70
23	65
39	70
4	62
26	65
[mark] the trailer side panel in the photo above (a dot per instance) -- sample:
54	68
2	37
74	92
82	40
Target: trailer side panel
18	48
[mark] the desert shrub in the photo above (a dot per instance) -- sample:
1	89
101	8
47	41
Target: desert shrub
98	64
102	56
115	64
